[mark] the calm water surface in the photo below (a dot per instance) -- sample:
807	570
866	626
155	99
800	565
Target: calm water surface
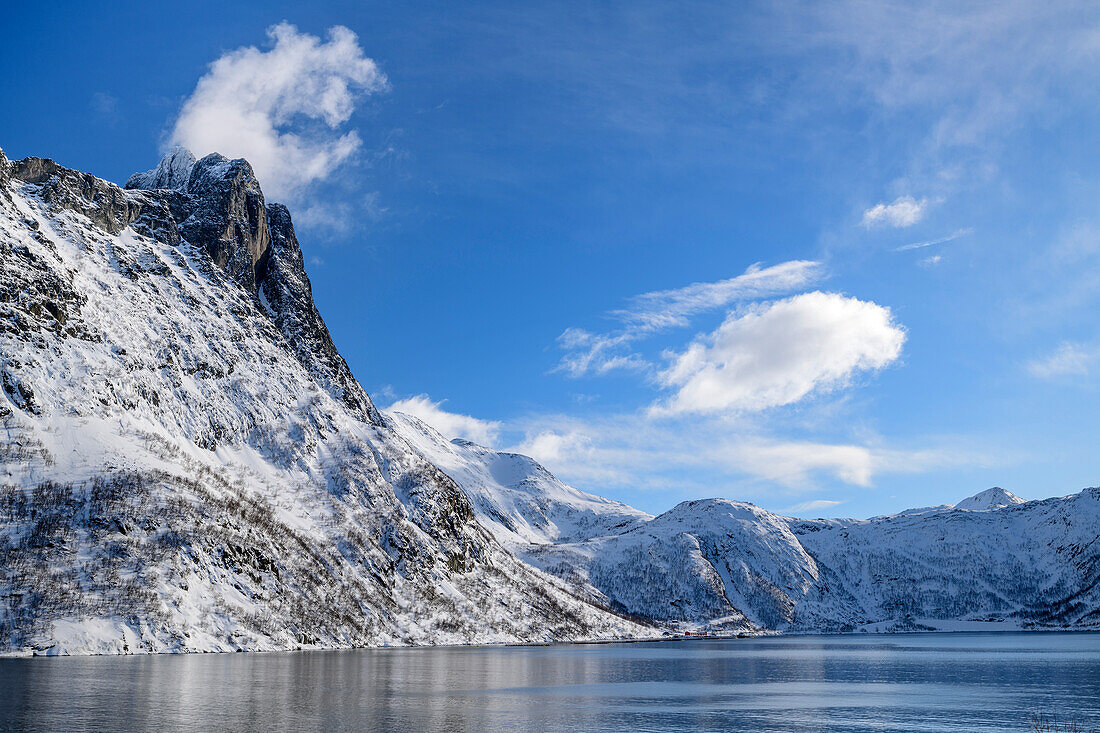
920	682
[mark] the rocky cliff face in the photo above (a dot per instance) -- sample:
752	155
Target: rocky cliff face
190	465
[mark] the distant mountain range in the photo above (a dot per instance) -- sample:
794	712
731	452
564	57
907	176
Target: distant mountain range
189	465
991	561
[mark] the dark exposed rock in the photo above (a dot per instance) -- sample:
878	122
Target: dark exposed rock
220	209
20	394
228	217
104	203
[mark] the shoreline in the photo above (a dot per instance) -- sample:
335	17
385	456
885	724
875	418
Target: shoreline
590	642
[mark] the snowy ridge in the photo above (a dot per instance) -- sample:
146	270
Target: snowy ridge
992	561
188	469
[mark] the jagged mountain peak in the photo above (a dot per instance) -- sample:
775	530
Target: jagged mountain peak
216	170
172	172
994	498
219	204
223	212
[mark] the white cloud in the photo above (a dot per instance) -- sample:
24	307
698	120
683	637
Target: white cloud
1069	359
977	67
904	211
281	108
650	313
931	261
635	451
335	217
105	105
669	308
449	424
777	353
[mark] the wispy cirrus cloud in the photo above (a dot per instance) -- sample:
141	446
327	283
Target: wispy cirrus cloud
815	505
661	310
1069	359
942	240
711	455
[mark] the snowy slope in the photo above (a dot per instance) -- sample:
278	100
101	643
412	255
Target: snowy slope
715	560
518	500
190	465
1034	562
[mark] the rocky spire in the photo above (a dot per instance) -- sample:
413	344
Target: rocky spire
286	294
221	210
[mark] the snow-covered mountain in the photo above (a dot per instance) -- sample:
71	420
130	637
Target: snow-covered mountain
188	462
992	559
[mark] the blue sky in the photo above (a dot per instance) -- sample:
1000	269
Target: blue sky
835	258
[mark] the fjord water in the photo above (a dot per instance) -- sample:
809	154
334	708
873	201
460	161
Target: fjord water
910	682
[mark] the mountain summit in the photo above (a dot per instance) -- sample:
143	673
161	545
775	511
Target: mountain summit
995	498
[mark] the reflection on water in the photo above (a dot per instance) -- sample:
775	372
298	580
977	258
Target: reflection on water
929	682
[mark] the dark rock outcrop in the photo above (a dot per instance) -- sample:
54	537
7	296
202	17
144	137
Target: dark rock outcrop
227	216
221	208
104	203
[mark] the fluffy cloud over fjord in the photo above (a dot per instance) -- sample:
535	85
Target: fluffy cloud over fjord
282	108
777	353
